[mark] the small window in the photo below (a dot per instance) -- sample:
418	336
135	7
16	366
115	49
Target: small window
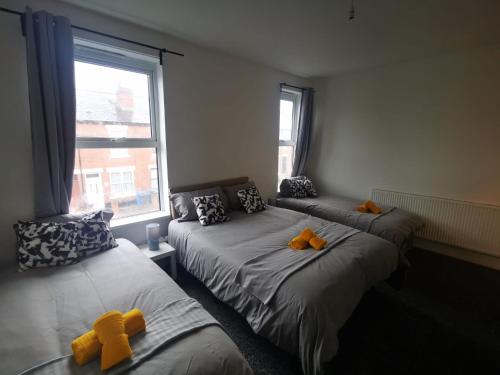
117	129
122	182
289	118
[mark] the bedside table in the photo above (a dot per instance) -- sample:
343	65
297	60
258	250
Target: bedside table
165	251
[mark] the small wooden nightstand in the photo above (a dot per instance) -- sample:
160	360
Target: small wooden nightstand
165	251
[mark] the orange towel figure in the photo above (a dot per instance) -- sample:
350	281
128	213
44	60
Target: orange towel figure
134	322
317	243
115	349
110	331
298	243
307	234
372	207
305	239
362	208
87	347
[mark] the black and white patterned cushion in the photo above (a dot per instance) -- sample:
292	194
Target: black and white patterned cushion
42	245
309	187
210	209
297	187
251	200
93	234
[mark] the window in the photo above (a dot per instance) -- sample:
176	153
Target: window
153	171
118	134
289	118
121	182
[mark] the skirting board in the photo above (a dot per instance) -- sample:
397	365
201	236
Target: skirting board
459	253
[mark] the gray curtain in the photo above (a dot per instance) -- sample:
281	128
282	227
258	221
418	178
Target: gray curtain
304	132
51	79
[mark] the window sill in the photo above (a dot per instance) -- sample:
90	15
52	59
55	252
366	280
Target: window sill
116	223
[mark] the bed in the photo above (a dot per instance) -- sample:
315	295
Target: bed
300	308
393	224
43	310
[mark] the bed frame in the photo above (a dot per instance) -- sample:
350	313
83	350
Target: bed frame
204	185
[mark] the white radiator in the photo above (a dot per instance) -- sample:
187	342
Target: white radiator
469	225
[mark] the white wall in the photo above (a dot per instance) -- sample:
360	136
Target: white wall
430	126
222	113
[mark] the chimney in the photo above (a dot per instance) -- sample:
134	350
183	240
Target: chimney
124	104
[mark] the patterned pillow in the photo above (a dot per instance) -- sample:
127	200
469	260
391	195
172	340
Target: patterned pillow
42	245
309	187
250	200
297	187
210	209
93	234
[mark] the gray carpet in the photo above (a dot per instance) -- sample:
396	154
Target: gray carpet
445	318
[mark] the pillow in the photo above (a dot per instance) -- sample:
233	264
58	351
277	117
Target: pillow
292	188
231	193
42	245
297	187
107	215
250	200
93	234
309	187
184	205
210	209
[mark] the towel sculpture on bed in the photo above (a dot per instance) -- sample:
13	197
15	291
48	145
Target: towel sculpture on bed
369	206
110	331
305	239
88	346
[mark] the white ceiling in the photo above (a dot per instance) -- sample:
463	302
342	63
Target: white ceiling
315	37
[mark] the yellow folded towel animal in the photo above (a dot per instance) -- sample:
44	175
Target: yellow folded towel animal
369	206
134	322
362	208
110	331
372	207
87	347
115	349
307	234
305	239
298	243
317	243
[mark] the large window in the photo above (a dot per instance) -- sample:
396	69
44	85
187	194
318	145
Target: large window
289	118
118	133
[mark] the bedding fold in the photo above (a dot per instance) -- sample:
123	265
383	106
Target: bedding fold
262	275
166	324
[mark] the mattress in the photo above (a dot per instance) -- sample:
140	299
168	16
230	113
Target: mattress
312	304
394	224
43	310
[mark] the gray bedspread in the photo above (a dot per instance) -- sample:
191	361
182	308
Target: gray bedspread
43	310
393	224
164	325
310	306
266	261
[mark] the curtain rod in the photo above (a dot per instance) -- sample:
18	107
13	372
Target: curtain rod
292	86
160	50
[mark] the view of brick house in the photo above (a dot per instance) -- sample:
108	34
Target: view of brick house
123	179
